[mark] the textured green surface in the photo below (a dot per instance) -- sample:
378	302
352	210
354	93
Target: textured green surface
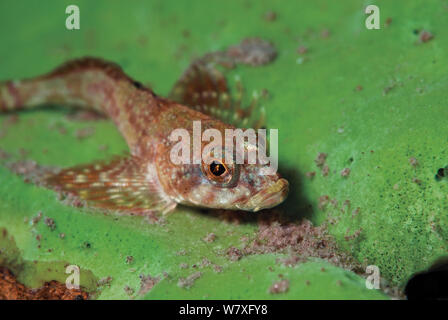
404	227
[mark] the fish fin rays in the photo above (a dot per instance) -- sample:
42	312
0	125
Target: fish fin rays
123	185
204	88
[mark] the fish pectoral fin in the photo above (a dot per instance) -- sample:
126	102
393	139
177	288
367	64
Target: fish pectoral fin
204	88
123	185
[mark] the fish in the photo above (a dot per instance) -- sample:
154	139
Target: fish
146	180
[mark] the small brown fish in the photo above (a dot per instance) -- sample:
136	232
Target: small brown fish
148	181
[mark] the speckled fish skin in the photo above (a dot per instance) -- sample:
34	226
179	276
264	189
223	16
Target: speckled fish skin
148	180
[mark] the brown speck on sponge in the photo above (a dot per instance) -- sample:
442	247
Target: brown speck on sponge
23	152
147	283
355	235
37	218
62	130
210	237
183	266
388	22
281	286
320	159
186	33
310	174
84	133
189	281
71	200
388	88
234	254
30	171
334	202
129	291
425	36
253	51
413	162
50	223
325	33
11	119
217	268
325	170
356	212
265	93
104	281
346	205
417	181
302	50
301	240
359	88
154	218
129	259
323	200
62	235
103	147
270	16
204	263
345	172
4	155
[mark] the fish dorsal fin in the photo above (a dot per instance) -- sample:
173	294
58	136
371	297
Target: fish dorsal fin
124	185
204	88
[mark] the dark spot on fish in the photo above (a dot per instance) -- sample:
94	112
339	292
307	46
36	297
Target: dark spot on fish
137	84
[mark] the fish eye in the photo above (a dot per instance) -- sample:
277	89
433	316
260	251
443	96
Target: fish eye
221	174
217	168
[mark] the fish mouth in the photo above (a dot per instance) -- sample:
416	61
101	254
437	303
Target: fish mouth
269	197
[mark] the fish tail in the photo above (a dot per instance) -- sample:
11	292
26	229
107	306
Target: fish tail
31	93
12	96
87	83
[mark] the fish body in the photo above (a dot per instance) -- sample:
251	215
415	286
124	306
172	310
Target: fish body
147	180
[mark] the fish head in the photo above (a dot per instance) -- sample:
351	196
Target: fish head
226	182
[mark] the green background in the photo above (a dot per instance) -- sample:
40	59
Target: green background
400	113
